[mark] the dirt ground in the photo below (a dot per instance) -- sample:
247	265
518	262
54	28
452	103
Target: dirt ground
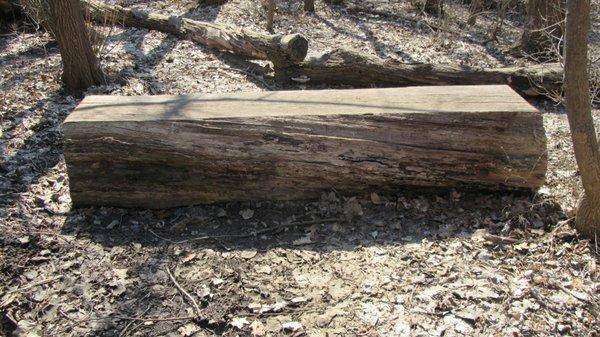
451	264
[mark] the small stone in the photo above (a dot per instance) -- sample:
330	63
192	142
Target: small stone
239	322
292	326
247	214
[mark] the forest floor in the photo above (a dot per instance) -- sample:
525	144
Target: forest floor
459	263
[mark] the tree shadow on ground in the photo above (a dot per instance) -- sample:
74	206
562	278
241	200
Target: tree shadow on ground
217	242
34	158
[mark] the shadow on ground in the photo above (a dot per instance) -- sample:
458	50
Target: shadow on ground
210	249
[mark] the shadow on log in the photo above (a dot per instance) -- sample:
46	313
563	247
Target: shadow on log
280	49
358	69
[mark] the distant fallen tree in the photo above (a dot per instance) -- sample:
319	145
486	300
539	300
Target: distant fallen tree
342	66
280	49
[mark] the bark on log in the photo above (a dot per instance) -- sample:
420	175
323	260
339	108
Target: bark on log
280	49
166	151
358	69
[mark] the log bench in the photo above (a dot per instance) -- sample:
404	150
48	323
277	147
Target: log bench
167	151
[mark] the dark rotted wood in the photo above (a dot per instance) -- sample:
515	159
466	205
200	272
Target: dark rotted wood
164	151
280	49
349	67
9	10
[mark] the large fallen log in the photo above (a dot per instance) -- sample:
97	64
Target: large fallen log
280	49
164	151
358	69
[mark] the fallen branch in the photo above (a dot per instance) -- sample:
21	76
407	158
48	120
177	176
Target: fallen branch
280	49
348	67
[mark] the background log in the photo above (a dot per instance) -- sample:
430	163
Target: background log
355	68
164	151
280	49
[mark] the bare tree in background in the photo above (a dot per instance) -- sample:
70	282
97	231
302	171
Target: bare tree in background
269	6
434	7
474	10
309	5
585	143
81	68
543	26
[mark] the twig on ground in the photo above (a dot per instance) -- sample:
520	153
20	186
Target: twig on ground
245	72
277	313
35	284
131	322
185	293
155	319
262	231
543	302
569	292
499	239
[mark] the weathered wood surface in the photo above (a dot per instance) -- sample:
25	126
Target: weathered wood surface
164	151
349	67
280	49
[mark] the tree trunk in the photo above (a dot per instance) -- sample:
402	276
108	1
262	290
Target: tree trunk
474	10
363	70
167	151
581	123
270	13
81	68
9	10
500	21
543	27
309	5
434	7
280	49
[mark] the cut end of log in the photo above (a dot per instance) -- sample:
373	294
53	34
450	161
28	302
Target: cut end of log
296	46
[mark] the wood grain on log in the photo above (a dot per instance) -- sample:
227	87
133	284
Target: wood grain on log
280	49
165	151
348	67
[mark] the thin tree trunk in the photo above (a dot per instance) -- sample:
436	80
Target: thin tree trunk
81	68
544	26
434	7
581	122
309	5
474	10
270	8
9	10
500	22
